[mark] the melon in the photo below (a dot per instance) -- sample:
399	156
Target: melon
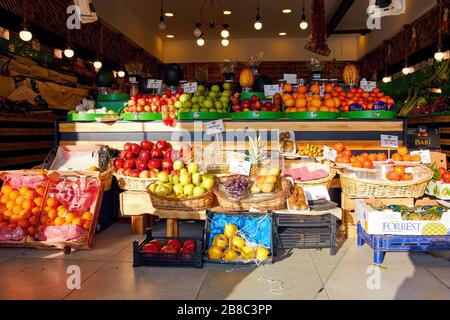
247	79
350	74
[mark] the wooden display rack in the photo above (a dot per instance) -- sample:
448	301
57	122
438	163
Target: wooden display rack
349	221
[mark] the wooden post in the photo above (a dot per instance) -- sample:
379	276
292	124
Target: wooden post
172	228
139	224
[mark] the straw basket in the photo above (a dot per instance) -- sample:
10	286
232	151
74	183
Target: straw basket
106	178
363	188
133	184
203	202
275	201
320	182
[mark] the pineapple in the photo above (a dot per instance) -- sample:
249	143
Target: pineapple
257	155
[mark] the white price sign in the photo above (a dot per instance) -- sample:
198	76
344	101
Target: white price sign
290	78
389	141
154	84
368	86
133	80
329	153
190	87
425	155
215	127
271	90
240	167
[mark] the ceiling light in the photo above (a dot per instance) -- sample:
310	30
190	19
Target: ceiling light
387	79
258	24
170	36
69	53
303	24
286	11
121	74
227	12
162	23
98	64
225	33
405	70
169	14
439	56
201	41
411	70
282	34
225	42
197	31
25	35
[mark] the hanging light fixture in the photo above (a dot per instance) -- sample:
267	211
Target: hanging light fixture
98	64
69	53
121	74
439	55
406	70
225	42
162	23
25	34
201	41
258	24
386	78
197	31
303	23
225	33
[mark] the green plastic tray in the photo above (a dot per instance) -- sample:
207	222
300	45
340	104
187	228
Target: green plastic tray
141	116
257	115
312	115
202	115
84	117
114	97
115	106
369	115
248	95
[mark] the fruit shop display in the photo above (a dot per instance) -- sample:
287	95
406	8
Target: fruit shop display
439	186
86	111
182	182
403	155
20	207
365	160
204	100
304	100
254	104
265	182
398	173
237	187
441	174
171	247
231	246
310	151
359	100
297	200
287	142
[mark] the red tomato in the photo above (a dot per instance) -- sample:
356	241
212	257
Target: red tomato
442	180
442	171
446	176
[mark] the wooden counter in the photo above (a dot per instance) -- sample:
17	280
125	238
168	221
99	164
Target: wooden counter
360	136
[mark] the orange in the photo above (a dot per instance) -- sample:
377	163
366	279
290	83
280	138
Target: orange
327	96
407	158
6	189
62	213
10	205
53	214
76	221
316	103
397	157
87	216
301	109
300	103
4	199
329	87
31	230
286	96
416	157
7	213
38	201
28	205
314	88
329	103
48	209
289	103
302	90
44	220
403	151
324	109
25	214
287	88
23	190
23	223
59	222
35	211
337	102
52	202
87	225
399	170
61	208
40	191
16	210
30	195
13	195
14	218
20	200
313	109
69	218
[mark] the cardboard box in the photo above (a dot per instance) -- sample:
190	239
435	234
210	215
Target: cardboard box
388	222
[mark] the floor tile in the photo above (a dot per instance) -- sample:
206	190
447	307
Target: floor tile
294	257
120	281
11	252
269	282
429	260
35	279
442	273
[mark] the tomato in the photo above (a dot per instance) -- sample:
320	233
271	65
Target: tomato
399	170
367	164
357	164
339	147
446	176
392	176
442	180
442	171
348	153
447	181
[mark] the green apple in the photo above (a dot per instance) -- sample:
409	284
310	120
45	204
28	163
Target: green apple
162	191
213	94
185	179
196	107
201	88
204	110
215	88
178	165
193	168
179	104
153	187
208	183
189	190
225	100
187	104
178	189
212	110
201	99
183	171
227	86
208	104
174	179
197	178
163	177
199	191
218	105
184	97
194	100
226	93
197	94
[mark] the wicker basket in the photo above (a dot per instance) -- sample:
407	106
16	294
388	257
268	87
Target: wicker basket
275	201
320	182
133	184
362	188
203	202
106	178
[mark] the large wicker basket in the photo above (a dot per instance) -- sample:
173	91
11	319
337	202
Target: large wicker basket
363	188
133	184
273	202
320	182
106	178
203	202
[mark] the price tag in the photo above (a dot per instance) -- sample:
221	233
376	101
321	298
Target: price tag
368	86
329	153
271	90
301	82
133	80
322	90
154	84
240	167
190	87
290	78
389	141
215	127
425	155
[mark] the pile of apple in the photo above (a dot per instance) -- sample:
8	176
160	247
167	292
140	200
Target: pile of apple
148	159
254	104
182	182
171	247
205	100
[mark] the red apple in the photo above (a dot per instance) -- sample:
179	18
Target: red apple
156	243
147	145
127	146
156	154
145	155
150	248
167	165
174	244
123	155
141	165
190	244
145	174
135	173
169	250
161	145
154	164
136	149
187	250
168	154
118	164
129	164
129	155
127	172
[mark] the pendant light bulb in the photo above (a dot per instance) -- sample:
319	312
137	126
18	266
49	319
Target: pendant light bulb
387	79
25	35
439	56
225	33
225	42
258	24
303	25
121	74
69	53
406	70
98	64
201	41
162	25
197	32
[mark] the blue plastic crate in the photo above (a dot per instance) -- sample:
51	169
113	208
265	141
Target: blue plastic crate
381	244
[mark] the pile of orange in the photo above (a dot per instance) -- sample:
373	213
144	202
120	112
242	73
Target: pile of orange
364	160
403	155
301	101
398	174
20	207
56	214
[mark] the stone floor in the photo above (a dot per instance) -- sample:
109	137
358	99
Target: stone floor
107	273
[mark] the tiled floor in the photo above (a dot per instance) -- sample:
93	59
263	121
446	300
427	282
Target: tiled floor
107	273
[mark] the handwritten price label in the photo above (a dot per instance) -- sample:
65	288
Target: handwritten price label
271	90
290	78
215	127
368	86
154	84
425	155
329	153
389	141
240	167
190	87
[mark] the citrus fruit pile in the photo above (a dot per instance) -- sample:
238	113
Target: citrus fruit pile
403	155
20	207
310	101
